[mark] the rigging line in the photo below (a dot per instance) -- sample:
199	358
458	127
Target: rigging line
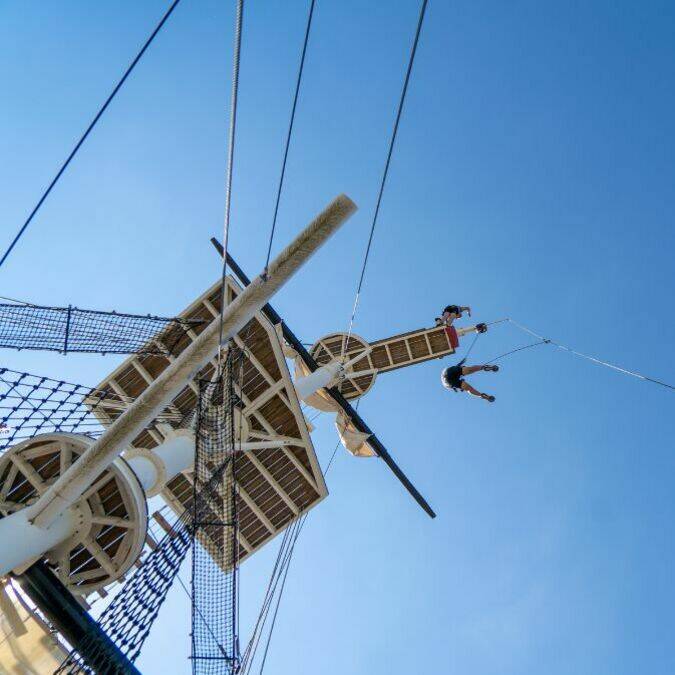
519	349
494	323
92	124
332	457
239	20
284	557
252	647
473	343
290	132
524	328
271	586
201	616
281	592
300	525
386	166
274	618
283	569
592	358
475	339
18	302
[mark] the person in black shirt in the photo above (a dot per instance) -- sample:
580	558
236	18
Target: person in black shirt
452	378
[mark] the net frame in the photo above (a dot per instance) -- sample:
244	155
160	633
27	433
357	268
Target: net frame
70	329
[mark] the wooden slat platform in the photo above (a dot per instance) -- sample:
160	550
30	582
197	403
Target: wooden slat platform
389	354
275	485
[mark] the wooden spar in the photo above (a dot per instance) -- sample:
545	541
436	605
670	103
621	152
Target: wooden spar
262	367
68	488
347	408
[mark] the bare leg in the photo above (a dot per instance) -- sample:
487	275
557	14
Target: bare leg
470	390
470	370
474	392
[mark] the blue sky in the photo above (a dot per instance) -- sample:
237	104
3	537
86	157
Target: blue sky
533	178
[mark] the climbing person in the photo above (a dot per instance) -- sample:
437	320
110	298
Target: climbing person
450	313
445	321
452	378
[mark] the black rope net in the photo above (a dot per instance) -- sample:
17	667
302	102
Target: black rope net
69	329
127	620
32	404
210	527
215	649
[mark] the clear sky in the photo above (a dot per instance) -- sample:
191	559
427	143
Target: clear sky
533	178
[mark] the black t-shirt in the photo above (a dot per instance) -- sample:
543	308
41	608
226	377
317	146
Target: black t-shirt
452	377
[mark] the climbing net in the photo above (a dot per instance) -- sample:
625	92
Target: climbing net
127	620
210	528
69	329
32	404
215	553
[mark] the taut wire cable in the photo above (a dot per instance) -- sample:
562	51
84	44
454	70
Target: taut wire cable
547	341
92	124
600	362
290	133
385	173
239	20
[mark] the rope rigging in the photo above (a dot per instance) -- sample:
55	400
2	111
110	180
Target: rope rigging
600	362
278	576
14	300
284	556
518	349
293	531
289	133
239	20
547	341
385	173
92	124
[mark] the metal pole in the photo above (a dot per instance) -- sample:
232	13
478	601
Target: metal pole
356	419
65	339
80	630
68	488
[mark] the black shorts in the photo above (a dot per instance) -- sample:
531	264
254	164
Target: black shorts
452	378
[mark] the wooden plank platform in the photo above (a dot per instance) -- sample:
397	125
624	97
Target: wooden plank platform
386	355
276	485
